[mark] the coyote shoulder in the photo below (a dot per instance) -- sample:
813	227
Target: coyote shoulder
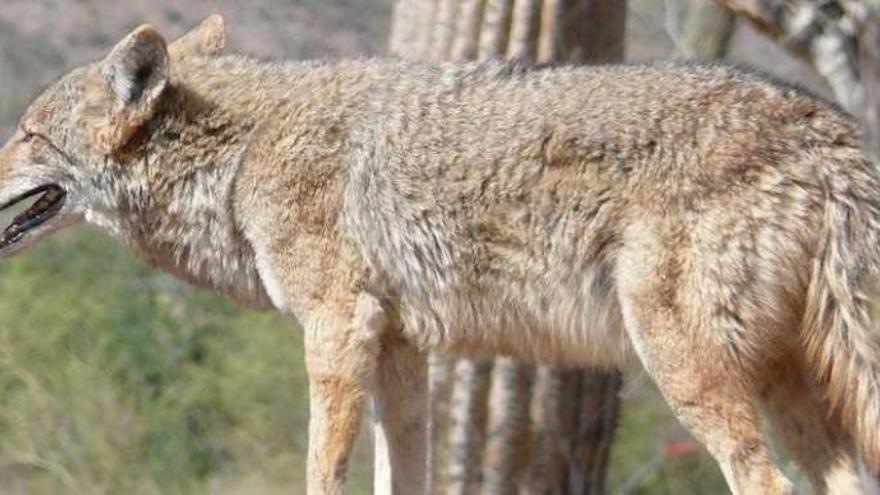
719	226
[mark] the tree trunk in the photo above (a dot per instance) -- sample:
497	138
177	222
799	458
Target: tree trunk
707	31
506	428
467	428
509	447
524	31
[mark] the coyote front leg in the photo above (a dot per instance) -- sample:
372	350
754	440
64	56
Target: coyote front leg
400	403
342	347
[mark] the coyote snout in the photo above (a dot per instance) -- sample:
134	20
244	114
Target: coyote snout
33	172
720	227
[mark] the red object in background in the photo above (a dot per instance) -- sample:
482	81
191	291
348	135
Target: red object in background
681	448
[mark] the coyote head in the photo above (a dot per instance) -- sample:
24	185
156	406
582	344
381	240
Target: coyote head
125	144
65	152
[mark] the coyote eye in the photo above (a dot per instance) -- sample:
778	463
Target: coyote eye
28	135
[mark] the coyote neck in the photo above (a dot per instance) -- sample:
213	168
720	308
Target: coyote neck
173	204
176	193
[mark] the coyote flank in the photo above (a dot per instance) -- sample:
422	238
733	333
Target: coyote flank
723	227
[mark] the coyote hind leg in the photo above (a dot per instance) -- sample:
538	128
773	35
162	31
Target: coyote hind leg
713	404
820	446
676	339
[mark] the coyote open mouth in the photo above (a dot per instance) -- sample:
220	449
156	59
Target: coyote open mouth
39	212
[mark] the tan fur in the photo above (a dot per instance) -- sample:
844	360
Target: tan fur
721	225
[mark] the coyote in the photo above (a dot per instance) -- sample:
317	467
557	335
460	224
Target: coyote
721	227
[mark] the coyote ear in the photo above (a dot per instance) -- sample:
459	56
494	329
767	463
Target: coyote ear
136	73
207	40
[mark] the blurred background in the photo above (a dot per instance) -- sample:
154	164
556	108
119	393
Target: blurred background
117	379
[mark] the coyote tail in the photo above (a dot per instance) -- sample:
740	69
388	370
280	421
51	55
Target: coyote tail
842	314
